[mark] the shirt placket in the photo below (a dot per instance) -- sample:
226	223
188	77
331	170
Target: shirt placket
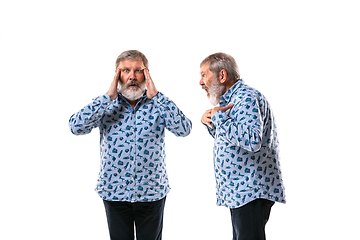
132	159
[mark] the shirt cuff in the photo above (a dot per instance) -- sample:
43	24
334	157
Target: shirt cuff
105	100
159	98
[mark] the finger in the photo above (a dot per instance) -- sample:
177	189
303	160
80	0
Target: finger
207	112
148	80
146	71
224	109
207	121
117	74
147	75
209	124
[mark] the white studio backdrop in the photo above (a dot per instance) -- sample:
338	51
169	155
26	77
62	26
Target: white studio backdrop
55	56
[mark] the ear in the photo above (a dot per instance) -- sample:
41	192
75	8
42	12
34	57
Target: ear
222	76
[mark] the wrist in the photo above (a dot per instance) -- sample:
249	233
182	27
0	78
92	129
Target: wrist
154	95
112	96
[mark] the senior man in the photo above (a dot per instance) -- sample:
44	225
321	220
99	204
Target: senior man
132	181
246	160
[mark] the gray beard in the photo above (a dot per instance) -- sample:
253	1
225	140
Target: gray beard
132	94
215	92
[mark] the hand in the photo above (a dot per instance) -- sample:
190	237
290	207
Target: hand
114	84
223	109
207	116
150	86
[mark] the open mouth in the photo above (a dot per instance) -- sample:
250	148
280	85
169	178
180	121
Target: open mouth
133	84
206	89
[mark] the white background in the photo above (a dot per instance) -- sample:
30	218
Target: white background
55	56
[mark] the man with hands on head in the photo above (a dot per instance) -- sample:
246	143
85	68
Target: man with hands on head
246	159
132	117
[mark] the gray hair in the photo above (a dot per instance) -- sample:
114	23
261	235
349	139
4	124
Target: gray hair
132	55
220	61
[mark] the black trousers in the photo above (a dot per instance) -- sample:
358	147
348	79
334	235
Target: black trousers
249	220
147	216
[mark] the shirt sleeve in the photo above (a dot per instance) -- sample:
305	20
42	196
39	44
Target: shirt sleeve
211	131
89	117
242	125
175	121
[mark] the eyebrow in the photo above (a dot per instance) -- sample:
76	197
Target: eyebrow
126	68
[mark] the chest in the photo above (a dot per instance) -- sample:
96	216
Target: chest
143	122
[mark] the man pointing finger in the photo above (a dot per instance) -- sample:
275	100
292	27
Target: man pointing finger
246	160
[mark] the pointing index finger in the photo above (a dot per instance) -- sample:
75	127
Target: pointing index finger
230	105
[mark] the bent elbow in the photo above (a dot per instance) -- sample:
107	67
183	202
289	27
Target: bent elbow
252	143
255	146
186	129
185	134
77	129
74	129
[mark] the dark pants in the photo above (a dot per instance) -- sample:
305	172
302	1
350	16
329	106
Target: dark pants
147	216
249	220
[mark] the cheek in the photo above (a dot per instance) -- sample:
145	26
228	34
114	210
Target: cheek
123	79
140	77
207	82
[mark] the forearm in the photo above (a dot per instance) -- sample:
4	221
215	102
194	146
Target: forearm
212	130
176	122
89	117
241	134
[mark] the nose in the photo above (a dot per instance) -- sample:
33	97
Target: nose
132	75
201	82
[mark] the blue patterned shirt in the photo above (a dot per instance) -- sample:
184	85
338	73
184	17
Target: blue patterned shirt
132	145
246	156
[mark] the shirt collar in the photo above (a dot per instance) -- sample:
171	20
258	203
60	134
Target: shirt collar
225	98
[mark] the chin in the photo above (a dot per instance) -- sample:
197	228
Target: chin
133	94
214	100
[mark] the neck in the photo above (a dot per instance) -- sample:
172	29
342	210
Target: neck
132	103
229	85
